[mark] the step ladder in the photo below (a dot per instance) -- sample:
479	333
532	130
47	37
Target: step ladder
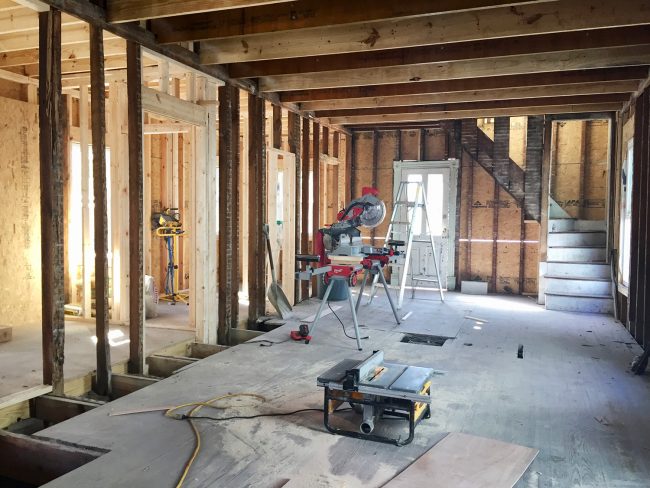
401	201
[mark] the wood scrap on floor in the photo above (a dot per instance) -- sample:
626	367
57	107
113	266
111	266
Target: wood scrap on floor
466	461
5	333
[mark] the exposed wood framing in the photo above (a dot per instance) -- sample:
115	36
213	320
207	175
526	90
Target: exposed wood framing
257	210
52	117
306	14
98	111
165	105
426	30
305	207
349	161
277	127
37	461
316	192
294	147
87	244
485	83
229	170
136	209
567	42
375	169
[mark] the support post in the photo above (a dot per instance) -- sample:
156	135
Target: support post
304	238
98	109
136	209
257	210
375	171
349	170
229	169
52	121
277	127
315	210
294	147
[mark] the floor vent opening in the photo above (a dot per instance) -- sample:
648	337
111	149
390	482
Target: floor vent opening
427	340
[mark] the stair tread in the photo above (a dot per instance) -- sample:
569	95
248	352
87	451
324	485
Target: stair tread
590	246
577	278
577	232
578	295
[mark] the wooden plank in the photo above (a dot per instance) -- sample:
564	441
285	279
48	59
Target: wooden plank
38	461
26	394
463	114
306	195
131	10
54	409
166	128
34	5
295	148
25	20
201	351
474	68
451	107
484	83
464	461
475	96
316	196
52	122
303	15
165	105
459	51
229	171
165	366
124	384
257	210
136	209
98	113
426	30
277	127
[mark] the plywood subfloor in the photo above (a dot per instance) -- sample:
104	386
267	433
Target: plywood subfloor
570	396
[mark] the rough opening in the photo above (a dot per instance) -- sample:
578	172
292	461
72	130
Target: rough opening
428	340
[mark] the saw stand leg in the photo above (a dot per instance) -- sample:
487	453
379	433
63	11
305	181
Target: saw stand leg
377	272
352	309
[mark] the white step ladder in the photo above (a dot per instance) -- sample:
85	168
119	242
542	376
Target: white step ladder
401	201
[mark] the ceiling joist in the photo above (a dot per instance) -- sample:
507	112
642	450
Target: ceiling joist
625	87
305	14
475	68
542	18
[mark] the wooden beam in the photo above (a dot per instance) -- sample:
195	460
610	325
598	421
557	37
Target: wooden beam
55	409
468	114
38	461
76	51
123	384
487	83
165	105
294	147
25	20
34	5
316	193
52	122
132	10
166	128
257	210
164	366
538	18
474	96
229	187
136	209
277	127
98	120
305	192
477	68
451	107
459	51
303	15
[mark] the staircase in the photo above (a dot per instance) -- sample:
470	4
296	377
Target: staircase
577	276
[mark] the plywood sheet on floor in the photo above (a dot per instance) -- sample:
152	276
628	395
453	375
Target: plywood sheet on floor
467	461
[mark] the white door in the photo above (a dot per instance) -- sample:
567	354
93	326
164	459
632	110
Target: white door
438	179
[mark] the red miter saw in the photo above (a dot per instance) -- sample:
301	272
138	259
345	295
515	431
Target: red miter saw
342	238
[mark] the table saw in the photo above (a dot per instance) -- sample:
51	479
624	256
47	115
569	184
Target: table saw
377	389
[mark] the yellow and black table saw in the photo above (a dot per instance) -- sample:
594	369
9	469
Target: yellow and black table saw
377	389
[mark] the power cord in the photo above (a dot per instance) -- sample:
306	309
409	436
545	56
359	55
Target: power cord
343	325
244	417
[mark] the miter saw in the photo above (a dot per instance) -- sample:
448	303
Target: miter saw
341	256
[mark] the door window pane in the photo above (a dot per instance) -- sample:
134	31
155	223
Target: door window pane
435	201
626	215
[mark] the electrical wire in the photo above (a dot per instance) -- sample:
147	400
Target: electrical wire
343	326
277	414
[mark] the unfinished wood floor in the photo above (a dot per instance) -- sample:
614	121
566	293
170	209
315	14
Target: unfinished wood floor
570	396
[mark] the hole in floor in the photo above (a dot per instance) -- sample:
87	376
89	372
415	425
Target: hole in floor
429	340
